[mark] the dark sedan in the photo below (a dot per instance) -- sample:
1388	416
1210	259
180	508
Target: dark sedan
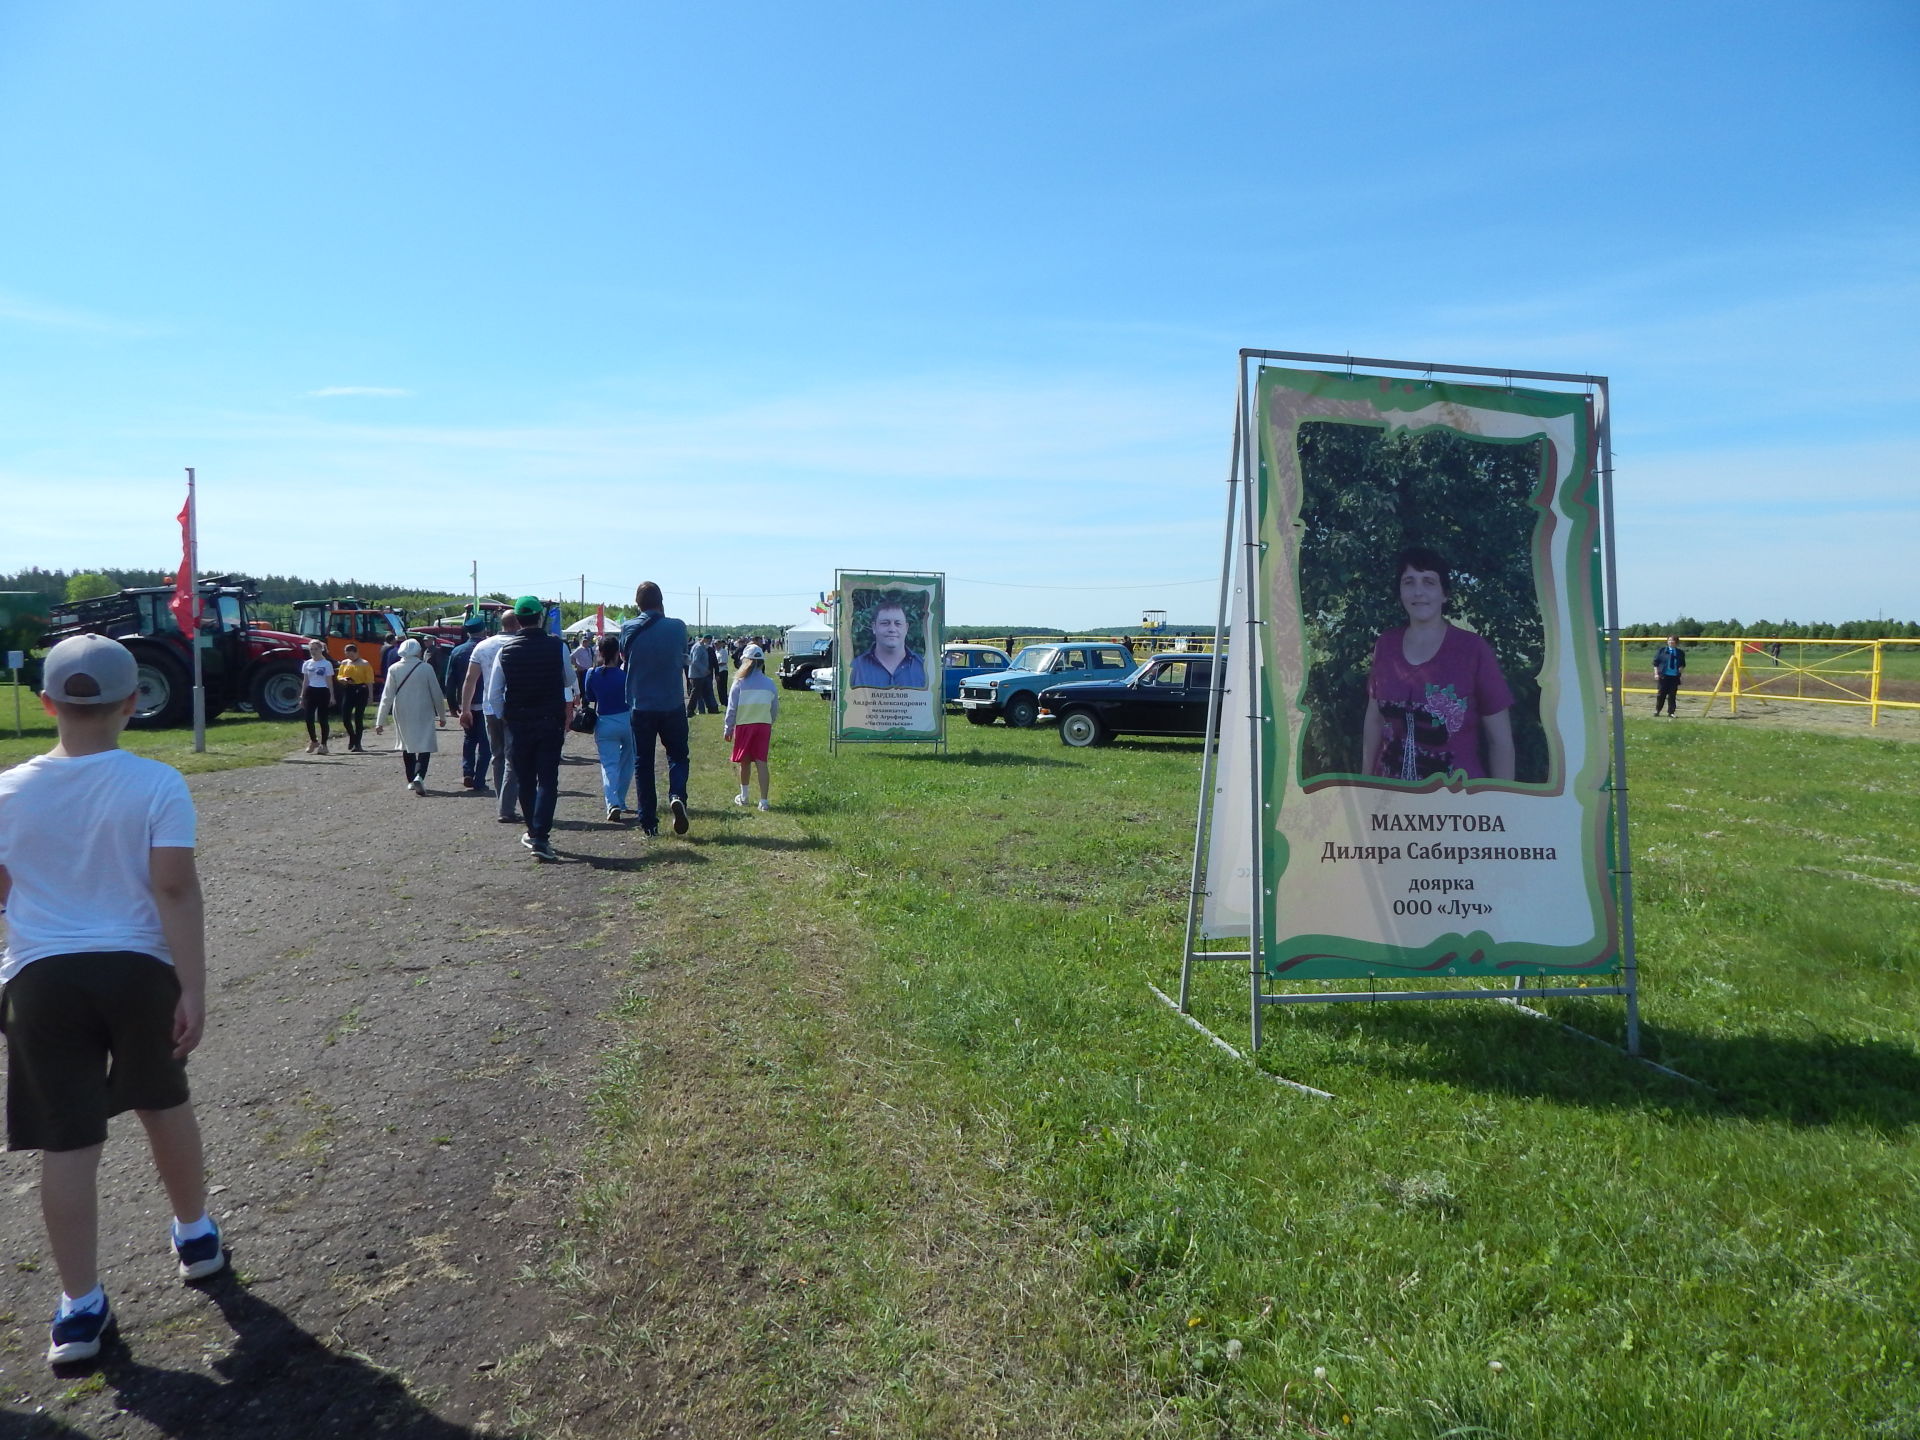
1165	696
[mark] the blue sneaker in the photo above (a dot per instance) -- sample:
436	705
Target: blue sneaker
77	1336
201	1257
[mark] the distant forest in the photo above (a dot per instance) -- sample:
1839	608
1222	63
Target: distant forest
278	592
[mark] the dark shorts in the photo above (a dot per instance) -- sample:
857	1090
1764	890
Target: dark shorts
88	1037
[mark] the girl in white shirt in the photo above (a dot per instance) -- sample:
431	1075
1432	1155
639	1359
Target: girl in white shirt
316	695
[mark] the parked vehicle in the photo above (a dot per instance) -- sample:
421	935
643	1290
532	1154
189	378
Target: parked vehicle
958	662
797	670
241	662
1166	696
438	639
961	661
1015	692
346	621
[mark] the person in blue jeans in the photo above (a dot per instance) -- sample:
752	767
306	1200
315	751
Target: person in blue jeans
476	751
606	685
655	647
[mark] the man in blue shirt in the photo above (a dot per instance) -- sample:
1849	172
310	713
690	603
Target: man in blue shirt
889	665
476	752
1669	664
655	648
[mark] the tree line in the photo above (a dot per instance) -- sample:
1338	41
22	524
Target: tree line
1780	629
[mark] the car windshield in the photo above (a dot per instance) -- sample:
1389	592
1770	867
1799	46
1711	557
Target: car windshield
1033	659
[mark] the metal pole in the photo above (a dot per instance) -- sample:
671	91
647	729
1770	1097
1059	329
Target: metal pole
1623	859
1208	763
1249	648
583	592
193	639
476	581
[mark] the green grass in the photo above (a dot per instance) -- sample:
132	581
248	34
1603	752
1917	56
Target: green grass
232	740
1495	1229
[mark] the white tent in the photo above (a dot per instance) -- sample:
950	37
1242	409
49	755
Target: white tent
809	635
584	626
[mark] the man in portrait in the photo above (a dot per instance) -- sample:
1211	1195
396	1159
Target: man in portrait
889	664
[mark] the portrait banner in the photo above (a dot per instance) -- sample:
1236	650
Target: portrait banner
886	657
1434	755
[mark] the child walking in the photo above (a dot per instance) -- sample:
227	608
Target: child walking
752	707
105	975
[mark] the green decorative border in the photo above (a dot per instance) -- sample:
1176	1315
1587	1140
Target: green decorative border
1475	953
844	583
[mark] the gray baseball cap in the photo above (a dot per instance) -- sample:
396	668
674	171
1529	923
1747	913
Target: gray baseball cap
103	670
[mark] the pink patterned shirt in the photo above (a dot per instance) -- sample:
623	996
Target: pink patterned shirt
1431	713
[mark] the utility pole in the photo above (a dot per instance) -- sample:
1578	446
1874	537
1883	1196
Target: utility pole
476	581
583	590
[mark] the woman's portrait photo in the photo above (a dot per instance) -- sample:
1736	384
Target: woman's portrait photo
1420	612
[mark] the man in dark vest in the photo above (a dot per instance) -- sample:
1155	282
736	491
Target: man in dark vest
532	688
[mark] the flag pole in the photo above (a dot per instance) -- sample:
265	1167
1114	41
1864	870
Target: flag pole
193	578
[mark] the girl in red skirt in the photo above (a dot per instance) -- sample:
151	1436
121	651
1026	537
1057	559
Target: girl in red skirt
752	707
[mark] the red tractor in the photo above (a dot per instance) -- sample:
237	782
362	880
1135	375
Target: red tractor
240	662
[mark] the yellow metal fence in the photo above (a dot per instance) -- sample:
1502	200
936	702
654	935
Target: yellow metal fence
1806	672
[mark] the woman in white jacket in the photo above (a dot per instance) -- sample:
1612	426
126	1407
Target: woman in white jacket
411	698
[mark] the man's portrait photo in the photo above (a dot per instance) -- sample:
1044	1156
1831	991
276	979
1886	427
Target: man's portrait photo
886	626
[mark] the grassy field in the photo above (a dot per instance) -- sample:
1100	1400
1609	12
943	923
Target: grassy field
232	740
956	1172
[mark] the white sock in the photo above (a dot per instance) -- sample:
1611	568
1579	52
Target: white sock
94	1299
200	1227
743	792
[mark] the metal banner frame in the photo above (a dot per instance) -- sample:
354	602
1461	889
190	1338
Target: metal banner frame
1244	653
843	659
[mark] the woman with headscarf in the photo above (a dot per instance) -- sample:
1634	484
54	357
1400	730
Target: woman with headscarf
411	698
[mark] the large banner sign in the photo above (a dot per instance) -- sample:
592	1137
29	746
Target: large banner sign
1435	757
886	657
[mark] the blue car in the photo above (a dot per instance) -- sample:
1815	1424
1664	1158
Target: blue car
964	660
958	662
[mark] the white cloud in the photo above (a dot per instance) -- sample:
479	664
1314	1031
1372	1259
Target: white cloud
381	392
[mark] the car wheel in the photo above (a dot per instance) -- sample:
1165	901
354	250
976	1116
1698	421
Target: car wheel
1081	728
980	717
1022	711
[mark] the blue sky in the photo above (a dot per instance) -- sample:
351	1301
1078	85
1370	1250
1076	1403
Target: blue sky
731	296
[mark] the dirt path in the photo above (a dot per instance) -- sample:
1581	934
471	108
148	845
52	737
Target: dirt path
404	1011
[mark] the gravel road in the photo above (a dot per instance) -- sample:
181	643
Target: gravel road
403	1016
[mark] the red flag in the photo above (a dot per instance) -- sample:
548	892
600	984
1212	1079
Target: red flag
599	619
182	604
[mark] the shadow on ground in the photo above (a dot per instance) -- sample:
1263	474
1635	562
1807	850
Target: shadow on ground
976	757
276	1383
1759	1075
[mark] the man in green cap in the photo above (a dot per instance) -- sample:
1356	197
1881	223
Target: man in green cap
532	689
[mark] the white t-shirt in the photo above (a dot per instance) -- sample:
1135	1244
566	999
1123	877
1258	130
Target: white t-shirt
486	655
75	832
318	673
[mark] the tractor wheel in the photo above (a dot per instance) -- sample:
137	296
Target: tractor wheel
1022	711
1081	728
165	693
275	690
979	717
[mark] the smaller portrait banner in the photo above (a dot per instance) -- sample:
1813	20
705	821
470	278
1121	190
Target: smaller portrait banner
886	656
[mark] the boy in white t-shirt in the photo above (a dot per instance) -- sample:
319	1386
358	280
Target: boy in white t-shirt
105	974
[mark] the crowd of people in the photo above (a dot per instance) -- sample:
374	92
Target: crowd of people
105	961
517	693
